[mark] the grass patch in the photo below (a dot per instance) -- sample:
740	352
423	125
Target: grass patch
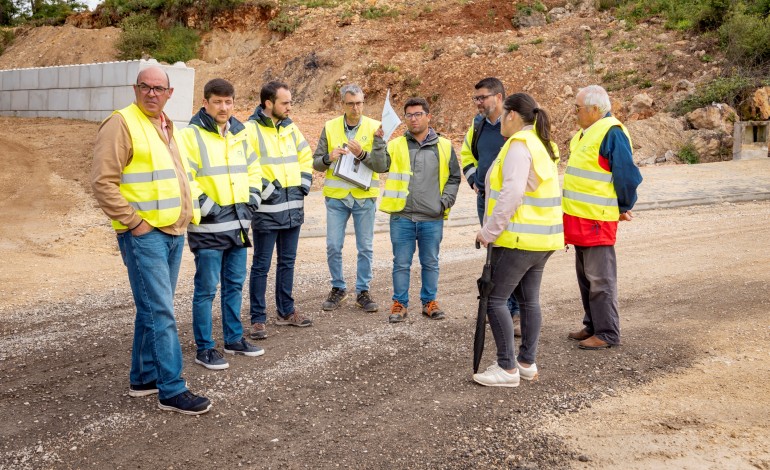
688	154
142	36
722	90
512	47
284	23
6	39
373	13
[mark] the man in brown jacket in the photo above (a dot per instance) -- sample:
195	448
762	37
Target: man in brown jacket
141	182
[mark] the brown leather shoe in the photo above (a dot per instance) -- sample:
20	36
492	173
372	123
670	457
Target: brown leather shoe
593	343
579	335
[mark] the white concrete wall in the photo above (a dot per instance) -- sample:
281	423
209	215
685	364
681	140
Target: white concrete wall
90	92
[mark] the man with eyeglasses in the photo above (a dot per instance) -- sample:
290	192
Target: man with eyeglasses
600	186
287	171
362	136
422	185
140	178
226	168
482	143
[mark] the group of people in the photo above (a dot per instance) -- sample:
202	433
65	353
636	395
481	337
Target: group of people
218	179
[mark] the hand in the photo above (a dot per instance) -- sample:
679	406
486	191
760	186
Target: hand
379	133
481	240
141	229
355	148
336	154
626	216
475	188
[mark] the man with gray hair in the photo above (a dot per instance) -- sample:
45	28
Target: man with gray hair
599	191
361	136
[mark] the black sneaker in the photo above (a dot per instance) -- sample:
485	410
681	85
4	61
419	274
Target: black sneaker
211	359
336	296
186	403
142	390
243	348
365	302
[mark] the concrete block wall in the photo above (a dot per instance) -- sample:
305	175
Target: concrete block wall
90	92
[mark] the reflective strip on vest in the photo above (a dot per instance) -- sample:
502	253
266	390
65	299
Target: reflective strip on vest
395	194
590	199
535	229
399	177
156	205
533	201
147	177
285	206
220	227
588	174
206	168
279	160
339	184
471	171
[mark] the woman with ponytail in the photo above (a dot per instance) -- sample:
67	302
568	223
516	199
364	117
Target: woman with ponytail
523	222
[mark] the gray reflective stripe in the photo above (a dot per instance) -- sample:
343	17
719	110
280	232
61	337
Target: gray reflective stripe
189	176
535	229
307	181
395	194
128	178
588	174
192	163
285	206
279	160
157	205
533	201
471	171
601	201
222	170
268	191
342	184
303	145
542	201
196	204
206	207
399	177
252	156
262	147
220	227
205	163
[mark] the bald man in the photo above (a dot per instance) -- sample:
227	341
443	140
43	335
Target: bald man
142	184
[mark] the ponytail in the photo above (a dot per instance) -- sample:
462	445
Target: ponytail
531	114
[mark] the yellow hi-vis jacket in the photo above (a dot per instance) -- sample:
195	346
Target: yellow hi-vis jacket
537	223
149	183
337	188
228	172
287	172
397	184
588	189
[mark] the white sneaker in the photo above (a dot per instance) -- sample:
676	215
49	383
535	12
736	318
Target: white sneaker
495	376
527	373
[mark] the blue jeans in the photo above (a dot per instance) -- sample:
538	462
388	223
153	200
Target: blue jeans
513	304
286	241
405	236
153	261
337	215
211	267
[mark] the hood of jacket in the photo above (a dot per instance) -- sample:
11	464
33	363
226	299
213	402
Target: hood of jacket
204	120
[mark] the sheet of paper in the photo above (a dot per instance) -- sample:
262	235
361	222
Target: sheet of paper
353	171
390	119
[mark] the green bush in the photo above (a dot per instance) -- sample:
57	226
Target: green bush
722	90
6	39
746	39
283	23
142	36
688	154
373	13
513	47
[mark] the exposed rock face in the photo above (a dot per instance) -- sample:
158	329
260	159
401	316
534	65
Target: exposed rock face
712	145
529	19
641	106
720	117
656	136
757	107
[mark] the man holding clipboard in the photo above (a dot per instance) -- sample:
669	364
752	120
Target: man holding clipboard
352	152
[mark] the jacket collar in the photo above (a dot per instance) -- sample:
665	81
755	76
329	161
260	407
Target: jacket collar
204	120
266	121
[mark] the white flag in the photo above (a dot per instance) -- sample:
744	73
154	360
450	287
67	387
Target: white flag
390	120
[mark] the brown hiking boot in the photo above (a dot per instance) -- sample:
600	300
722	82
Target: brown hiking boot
397	312
432	310
295	319
257	331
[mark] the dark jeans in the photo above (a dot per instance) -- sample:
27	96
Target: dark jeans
513	305
597	276
518	272
286	241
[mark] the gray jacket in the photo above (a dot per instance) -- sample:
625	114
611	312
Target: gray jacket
425	202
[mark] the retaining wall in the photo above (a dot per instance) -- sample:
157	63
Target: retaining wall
90	92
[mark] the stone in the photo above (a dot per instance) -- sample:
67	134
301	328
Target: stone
558	13
711	145
641	104
567	91
685	85
714	117
529	19
757	106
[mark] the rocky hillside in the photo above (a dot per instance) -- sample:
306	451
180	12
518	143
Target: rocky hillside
439	50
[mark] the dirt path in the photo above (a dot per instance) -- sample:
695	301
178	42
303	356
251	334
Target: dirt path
688	389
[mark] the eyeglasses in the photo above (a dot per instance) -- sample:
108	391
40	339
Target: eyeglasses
577	107
145	89
416	115
354	104
480	98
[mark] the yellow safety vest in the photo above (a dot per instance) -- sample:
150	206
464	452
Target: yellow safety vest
335	187
397	184
149	183
588	189
537	223
284	155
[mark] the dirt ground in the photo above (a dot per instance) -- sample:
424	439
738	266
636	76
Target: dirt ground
688	388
